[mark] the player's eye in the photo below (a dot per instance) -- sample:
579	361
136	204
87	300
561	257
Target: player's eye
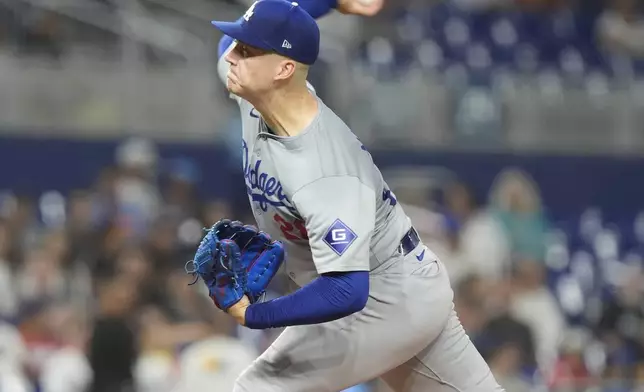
241	49
246	51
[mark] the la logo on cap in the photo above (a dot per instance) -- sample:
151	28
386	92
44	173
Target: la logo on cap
250	12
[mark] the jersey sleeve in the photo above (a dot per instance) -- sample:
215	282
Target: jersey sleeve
339	214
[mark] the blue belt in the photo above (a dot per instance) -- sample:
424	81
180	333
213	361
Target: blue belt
409	242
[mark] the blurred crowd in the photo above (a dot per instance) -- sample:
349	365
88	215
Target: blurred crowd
94	295
93	292
588	44
550	305
616	27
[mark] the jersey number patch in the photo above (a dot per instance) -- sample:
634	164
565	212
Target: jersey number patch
389	195
295	231
339	237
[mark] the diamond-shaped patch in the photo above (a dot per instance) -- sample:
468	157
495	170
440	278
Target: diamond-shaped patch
339	237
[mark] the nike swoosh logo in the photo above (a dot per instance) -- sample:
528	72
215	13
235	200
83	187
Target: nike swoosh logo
253	113
421	256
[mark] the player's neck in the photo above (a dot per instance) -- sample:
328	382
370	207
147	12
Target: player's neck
288	113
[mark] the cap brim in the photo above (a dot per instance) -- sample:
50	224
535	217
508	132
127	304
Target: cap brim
236	31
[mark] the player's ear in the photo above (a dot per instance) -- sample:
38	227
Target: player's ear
286	69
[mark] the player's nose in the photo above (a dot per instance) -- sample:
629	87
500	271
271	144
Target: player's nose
232	57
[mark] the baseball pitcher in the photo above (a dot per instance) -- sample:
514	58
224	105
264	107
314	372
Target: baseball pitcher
372	300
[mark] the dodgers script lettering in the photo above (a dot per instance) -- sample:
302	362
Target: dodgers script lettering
261	187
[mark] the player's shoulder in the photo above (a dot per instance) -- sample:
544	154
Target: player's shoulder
333	150
339	137
332	122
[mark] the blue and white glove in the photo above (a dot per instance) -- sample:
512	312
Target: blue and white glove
218	264
234	258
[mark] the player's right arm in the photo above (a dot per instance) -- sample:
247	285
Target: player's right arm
339	214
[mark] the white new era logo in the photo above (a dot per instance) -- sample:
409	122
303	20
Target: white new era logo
286	44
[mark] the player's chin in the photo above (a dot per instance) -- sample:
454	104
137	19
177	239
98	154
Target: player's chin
235	89
233	86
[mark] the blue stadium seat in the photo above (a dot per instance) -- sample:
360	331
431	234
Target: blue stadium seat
519	41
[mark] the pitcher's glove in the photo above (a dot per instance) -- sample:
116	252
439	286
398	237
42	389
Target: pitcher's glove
235	259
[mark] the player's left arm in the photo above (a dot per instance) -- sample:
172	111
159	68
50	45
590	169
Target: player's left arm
339	213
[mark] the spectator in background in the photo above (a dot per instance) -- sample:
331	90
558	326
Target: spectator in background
23	224
41	278
217	360
8	301
158	341
138	199
49	274
76	273
503	328
179	190
478	241
621	327
533	304
185	317
505	364
113	345
134	266
13	355
516	203
67	368
484	310
469	302
38	335
104	198
82	226
162	246
571	371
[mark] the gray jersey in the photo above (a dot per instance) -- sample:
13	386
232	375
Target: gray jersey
321	194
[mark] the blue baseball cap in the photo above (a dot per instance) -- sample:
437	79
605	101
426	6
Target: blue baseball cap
279	26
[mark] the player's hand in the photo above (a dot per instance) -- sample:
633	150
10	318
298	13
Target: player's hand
360	7
238	310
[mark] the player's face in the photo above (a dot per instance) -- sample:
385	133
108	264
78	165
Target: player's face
252	70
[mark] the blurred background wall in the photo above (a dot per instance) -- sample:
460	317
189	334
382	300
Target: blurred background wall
512	130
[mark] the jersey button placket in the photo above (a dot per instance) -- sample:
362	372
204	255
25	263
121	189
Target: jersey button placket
257	147
258	153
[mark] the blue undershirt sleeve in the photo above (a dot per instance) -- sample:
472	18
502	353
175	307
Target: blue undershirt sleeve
329	297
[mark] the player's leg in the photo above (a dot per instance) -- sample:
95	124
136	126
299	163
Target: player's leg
333	356
450	363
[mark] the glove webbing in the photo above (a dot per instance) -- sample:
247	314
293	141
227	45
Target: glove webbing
193	271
